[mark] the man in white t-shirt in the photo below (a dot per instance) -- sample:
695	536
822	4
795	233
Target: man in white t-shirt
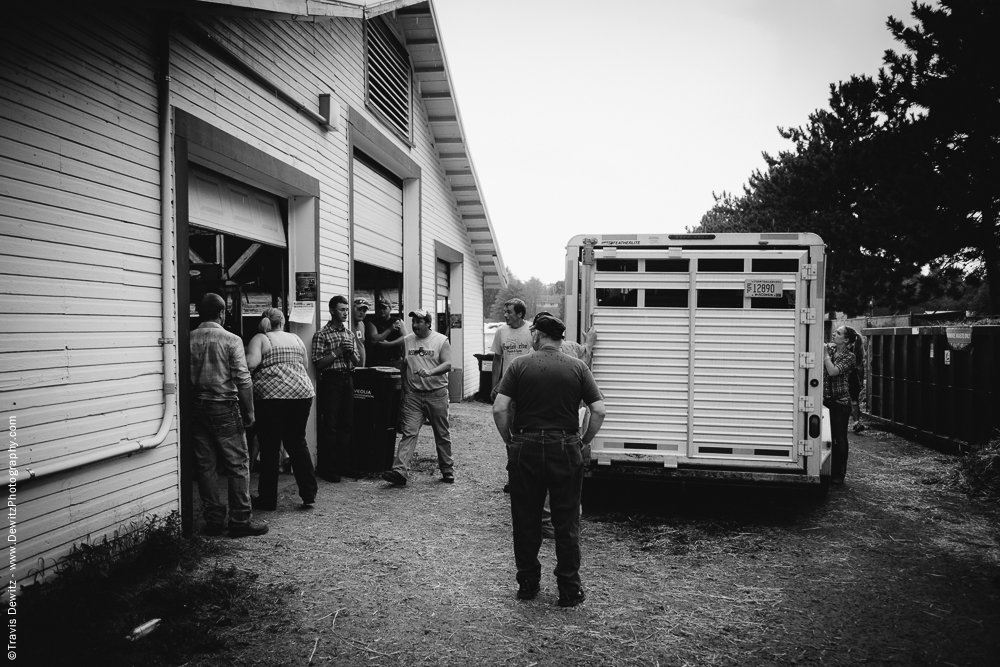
511	341
428	361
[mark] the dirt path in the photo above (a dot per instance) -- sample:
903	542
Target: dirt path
892	568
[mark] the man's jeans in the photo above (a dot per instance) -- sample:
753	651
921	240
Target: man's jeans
220	442
416	406
335	405
552	461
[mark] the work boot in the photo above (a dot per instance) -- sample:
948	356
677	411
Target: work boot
250	528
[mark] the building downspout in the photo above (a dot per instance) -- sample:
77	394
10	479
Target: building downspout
168	339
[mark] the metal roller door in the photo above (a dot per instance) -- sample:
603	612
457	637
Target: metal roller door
378	218
227	206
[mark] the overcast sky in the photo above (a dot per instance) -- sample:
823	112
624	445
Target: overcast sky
591	116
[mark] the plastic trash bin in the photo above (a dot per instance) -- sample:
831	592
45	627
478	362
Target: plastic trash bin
376	410
485	376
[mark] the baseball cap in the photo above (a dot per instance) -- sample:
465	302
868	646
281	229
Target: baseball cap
421	315
549	325
384	302
363	303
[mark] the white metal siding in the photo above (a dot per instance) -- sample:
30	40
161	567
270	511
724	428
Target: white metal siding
80	276
80	230
378	219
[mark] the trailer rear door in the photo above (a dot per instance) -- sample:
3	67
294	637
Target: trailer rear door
697	355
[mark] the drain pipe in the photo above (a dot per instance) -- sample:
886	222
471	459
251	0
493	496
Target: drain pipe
167	341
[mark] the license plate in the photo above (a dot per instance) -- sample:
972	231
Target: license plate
767	289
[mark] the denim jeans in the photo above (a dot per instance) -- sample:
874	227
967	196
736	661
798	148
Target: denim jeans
284	421
540	462
416	405
335	404
220	444
840	414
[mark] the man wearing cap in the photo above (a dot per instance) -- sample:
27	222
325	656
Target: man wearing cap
335	354
223	408
544	454
428	361
381	326
358	313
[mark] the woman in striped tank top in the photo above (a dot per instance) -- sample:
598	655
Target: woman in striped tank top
283	396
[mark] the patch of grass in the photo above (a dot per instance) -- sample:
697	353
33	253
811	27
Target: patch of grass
978	471
145	571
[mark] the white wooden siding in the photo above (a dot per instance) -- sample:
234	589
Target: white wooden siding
80	278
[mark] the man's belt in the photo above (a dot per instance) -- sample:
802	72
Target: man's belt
550	431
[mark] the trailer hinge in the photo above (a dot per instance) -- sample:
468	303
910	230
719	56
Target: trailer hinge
807	316
588	251
809	272
805	448
807	360
807	403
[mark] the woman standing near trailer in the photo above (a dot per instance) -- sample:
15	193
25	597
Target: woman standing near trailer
839	360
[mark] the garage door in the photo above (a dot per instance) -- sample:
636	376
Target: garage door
224	205
378	217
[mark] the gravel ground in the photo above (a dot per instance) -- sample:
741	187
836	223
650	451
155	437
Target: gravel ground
892	568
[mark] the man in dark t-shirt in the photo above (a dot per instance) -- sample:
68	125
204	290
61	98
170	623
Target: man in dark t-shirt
544	454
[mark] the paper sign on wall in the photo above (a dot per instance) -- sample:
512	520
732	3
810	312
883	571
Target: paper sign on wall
303	312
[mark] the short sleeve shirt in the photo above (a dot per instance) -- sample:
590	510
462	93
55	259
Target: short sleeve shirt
548	386
511	343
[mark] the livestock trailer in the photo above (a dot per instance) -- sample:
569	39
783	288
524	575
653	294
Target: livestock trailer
709	354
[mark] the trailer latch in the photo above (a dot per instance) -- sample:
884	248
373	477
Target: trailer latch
807	360
807	316
809	272
806	403
806	448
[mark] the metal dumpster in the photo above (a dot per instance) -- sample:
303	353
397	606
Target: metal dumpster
935	383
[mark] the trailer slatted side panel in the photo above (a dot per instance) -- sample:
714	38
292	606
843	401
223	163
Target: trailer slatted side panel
642	367
744	385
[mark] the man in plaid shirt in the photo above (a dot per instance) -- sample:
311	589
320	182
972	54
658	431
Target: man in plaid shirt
335	354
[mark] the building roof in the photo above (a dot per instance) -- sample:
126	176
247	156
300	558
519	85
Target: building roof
430	68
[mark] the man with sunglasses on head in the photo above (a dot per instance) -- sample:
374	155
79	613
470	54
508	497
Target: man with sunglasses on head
545	453
428	362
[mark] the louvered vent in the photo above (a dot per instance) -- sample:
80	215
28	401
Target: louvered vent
388	77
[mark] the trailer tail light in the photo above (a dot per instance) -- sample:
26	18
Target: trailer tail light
815	425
